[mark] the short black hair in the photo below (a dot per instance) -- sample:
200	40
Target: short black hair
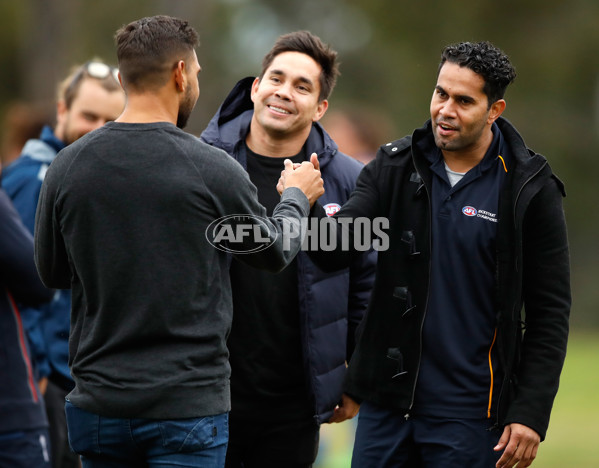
486	60
149	48
307	43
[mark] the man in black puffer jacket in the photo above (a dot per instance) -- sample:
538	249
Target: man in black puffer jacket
293	331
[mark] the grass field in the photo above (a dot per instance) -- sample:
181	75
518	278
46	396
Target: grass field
573	437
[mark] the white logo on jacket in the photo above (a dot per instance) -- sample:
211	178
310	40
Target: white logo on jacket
331	208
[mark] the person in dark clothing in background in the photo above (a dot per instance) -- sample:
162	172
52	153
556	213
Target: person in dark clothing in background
24	438
293	331
443	369
87	98
124	219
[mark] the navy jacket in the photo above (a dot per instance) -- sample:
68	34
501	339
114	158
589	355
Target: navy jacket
331	304
48	325
21	404
532	272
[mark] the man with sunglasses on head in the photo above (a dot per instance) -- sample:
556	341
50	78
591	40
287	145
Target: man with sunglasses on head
87	98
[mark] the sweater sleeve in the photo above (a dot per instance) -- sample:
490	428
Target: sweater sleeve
263	242
50	252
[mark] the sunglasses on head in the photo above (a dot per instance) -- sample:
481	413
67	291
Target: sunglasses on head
92	69
99	70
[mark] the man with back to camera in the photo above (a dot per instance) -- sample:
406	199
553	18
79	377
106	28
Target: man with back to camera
445	373
123	220
293	331
87	98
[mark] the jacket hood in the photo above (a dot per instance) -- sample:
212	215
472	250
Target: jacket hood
45	148
231	123
527	159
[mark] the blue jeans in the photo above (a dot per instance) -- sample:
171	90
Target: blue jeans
385	439
127	443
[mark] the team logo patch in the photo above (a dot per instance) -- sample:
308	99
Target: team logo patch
486	215
469	211
332	208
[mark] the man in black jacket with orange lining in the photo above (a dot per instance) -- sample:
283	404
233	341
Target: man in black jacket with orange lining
444	372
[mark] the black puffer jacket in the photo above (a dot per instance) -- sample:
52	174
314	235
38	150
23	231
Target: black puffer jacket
331	305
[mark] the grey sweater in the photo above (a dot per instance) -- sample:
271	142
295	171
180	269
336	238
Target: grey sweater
122	220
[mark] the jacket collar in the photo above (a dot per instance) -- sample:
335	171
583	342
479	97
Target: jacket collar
527	162
51	139
45	148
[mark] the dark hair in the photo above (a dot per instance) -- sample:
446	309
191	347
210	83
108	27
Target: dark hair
307	43
149	48
486	60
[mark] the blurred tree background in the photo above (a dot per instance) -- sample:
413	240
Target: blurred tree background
389	52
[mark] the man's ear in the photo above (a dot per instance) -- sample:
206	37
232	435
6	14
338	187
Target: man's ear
320	110
61	108
61	112
180	78
496	110
254	88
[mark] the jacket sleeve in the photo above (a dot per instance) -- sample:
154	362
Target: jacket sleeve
362	203
361	281
19	276
17	269
282	231
546	292
24	194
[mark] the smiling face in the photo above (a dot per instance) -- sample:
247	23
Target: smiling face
92	107
460	113
286	99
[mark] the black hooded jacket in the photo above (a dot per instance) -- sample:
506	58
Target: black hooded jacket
532	273
331	305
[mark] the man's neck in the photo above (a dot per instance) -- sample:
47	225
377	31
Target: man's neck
149	108
266	144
